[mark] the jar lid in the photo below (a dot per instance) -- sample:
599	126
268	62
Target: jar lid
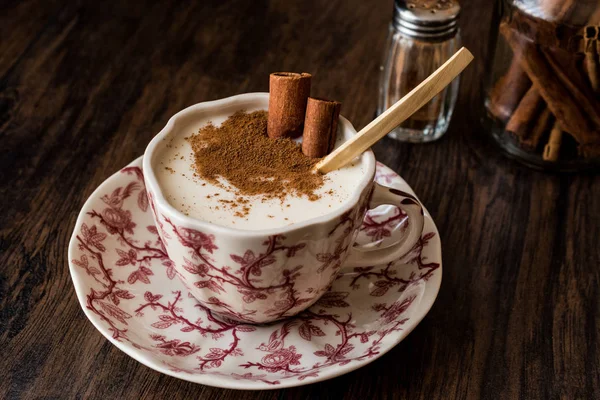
426	19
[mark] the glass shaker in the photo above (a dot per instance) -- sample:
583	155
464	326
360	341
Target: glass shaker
543	100
422	36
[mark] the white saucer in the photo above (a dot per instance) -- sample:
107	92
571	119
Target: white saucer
129	291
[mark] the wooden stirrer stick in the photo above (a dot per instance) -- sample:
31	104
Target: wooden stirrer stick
397	113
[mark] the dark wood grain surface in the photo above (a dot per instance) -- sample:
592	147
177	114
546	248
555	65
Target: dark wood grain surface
85	85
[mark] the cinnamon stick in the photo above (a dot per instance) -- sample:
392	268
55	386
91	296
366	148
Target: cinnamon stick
591	62
552	149
566	71
289	93
530	120
530	105
508	91
591	57
541	125
320	127
570	107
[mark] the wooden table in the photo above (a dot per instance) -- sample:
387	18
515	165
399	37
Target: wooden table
85	85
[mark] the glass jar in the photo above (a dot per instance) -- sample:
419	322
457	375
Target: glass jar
422	36
543	100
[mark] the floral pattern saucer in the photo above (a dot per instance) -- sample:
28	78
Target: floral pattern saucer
129	290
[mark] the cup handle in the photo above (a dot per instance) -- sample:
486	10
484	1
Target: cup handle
363	256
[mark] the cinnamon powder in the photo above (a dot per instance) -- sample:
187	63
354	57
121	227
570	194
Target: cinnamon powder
240	152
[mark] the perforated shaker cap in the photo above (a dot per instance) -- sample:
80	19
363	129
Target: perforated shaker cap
426	19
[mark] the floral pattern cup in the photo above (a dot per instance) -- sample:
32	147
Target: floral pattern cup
265	275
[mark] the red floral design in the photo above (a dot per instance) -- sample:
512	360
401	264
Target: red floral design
386	278
92	237
384	175
379	230
127	257
333	260
392	312
118	258
333	299
196	240
175	347
281	358
171	315
252	295
118	221
248	283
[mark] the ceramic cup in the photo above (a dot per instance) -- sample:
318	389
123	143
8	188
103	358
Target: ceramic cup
264	275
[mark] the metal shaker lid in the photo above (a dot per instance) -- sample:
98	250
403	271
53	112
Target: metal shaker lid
426	19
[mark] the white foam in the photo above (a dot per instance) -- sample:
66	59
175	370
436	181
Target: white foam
200	199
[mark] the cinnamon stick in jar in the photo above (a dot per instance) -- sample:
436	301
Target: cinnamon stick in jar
592	34
320	127
530	120
509	90
288	95
552	149
593	70
576	112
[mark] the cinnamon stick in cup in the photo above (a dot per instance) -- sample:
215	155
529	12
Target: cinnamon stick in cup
289	93
320	127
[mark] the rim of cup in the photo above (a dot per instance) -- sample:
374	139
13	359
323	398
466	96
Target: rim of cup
239	102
